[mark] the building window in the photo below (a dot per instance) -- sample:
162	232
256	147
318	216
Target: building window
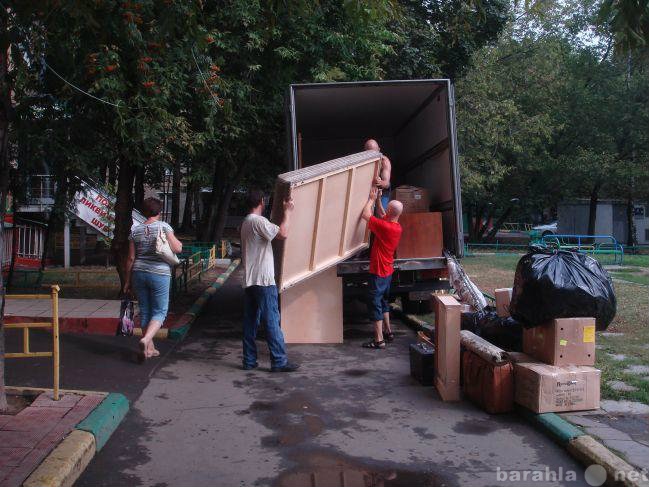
639	212
646	234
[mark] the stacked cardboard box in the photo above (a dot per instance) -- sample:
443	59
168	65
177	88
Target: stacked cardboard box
413	198
545	388
555	373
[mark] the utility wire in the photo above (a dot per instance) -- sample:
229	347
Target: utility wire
79	89
214	97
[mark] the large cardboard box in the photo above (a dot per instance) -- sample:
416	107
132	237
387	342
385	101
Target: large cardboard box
413	198
546	388
447	346
564	341
421	236
503	298
487	384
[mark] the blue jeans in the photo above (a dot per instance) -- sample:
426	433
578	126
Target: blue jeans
378	295
260	305
152	291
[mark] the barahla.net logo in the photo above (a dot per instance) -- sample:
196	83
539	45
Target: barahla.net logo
594	475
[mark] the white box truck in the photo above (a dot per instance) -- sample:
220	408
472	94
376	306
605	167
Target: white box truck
414	123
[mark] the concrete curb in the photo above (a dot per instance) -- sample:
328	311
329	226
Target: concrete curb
65	463
105	418
585	449
63	466
186	320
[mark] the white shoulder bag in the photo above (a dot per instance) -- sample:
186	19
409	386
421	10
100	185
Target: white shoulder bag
163	250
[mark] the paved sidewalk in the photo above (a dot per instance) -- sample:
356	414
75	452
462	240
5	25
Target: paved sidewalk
29	436
68	308
349	417
624	433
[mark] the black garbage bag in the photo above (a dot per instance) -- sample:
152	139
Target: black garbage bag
552	283
506	333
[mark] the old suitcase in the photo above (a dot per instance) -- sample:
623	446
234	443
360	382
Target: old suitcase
422	363
490	386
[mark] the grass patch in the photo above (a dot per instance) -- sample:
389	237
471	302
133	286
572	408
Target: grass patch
632	277
490	272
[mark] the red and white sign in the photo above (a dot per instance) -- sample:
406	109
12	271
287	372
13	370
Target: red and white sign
96	209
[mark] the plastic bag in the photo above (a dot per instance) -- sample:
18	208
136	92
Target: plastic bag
553	284
506	333
126	318
467	292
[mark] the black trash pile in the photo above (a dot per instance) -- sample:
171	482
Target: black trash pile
548	284
553	284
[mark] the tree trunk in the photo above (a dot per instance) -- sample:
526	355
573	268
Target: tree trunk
197	203
469	218
209	215
112	173
478	222
6	112
123	217
187	223
175	194
499	223
592	210
631	239
139	187
222	213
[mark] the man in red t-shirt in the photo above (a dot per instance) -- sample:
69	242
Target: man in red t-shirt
387	233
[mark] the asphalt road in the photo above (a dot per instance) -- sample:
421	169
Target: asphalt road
349	417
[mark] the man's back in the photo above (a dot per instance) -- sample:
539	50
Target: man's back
256	250
386	239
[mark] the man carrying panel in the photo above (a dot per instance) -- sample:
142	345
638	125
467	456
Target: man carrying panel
260	291
387	233
383	180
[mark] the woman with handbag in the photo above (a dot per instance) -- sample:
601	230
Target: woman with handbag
151	255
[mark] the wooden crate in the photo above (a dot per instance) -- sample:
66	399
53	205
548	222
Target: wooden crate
326	225
421	236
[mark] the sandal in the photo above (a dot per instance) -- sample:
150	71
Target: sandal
374	344
388	337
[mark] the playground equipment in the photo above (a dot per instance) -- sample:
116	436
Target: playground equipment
594	245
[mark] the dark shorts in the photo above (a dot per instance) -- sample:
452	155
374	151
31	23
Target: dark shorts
378	295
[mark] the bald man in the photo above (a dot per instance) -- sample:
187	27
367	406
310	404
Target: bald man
383	180
387	233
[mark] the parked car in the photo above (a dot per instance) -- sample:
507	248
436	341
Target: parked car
541	231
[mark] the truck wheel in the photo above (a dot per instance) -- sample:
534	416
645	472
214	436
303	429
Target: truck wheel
415	307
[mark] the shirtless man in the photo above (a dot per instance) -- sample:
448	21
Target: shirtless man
383	180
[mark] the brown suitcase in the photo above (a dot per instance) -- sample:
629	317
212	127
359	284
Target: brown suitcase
490	386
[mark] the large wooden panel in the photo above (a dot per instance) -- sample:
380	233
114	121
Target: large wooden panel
312	310
421	236
447	347
326	225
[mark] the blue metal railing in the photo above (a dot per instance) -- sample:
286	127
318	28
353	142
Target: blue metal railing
595	245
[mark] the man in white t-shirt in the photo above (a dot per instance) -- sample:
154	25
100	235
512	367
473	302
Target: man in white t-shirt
260	291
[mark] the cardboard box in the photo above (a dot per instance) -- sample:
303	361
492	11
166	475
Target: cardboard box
564	341
447	346
503	298
413	198
546	388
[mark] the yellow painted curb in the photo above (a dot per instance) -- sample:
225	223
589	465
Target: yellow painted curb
618	472
65	463
161	333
